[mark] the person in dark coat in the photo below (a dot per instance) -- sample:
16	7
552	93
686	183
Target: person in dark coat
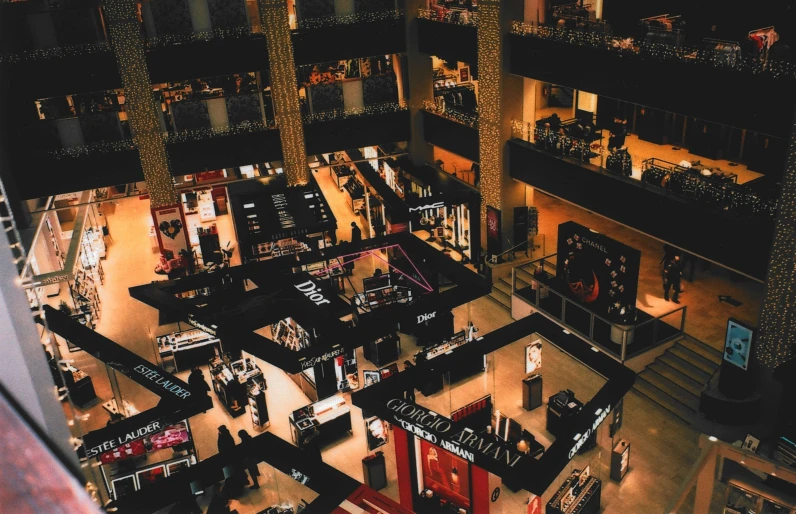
356	233
225	441
671	278
197	381
250	462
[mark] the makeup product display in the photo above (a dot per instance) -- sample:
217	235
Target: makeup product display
188	347
579	494
327	420
231	381
620	460
79	384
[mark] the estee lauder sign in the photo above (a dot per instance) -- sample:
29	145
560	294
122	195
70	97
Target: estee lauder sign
440	431
138	433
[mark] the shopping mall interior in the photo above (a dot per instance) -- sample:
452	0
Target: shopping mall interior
397	256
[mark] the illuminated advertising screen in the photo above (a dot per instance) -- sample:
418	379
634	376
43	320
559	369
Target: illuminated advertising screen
738	343
445	474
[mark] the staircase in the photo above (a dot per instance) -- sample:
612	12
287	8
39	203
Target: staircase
676	379
501	289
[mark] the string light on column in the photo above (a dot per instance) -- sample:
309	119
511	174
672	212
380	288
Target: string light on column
284	89
489	86
128	47
778	320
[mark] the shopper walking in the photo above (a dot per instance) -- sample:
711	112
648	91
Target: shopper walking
197	382
356	233
225	441
250	462
671	279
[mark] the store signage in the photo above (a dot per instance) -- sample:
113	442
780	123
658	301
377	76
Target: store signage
286	219
201	326
312	361
439	430
435	205
54	279
582	438
312	291
164	382
138	433
425	317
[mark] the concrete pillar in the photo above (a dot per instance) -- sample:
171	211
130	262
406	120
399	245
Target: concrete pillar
128	47
420	85
778	320
24	371
284	90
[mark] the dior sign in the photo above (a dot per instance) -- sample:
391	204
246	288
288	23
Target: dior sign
313	292
425	317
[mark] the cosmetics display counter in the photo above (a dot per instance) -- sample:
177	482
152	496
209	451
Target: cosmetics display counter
327	420
579	494
620	460
232	380
383	350
562	408
466	367
79	384
290	334
745	496
188	348
327	378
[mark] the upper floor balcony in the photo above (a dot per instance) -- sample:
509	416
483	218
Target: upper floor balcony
448	34
714	81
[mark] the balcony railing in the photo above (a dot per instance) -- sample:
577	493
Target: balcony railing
165	40
465	18
685	53
349	19
630	334
246	127
58	52
468	119
355	112
716	190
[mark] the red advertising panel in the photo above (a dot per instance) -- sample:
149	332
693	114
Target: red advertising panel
445	474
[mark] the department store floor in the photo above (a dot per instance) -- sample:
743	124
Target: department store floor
663	447
640	150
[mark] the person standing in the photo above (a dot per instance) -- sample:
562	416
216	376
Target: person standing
356	233
197	382
225	441
250	462
671	278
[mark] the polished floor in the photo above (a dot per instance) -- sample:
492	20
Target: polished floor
662	446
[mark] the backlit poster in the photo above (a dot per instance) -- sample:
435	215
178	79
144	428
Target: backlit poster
378	433
533	357
597	271
445	474
171	230
738	343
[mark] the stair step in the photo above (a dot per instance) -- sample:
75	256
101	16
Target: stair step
524	274
702	350
683	381
501	300
697	360
676	392
502	287
521	283
657	396
684	367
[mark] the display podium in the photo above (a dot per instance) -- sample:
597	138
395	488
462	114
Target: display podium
532	392
561	409
374	470
620	460
258	408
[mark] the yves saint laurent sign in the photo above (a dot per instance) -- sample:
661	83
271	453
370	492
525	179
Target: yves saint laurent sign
312	361
439	430
201	326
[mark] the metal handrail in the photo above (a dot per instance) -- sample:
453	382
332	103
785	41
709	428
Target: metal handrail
539	263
